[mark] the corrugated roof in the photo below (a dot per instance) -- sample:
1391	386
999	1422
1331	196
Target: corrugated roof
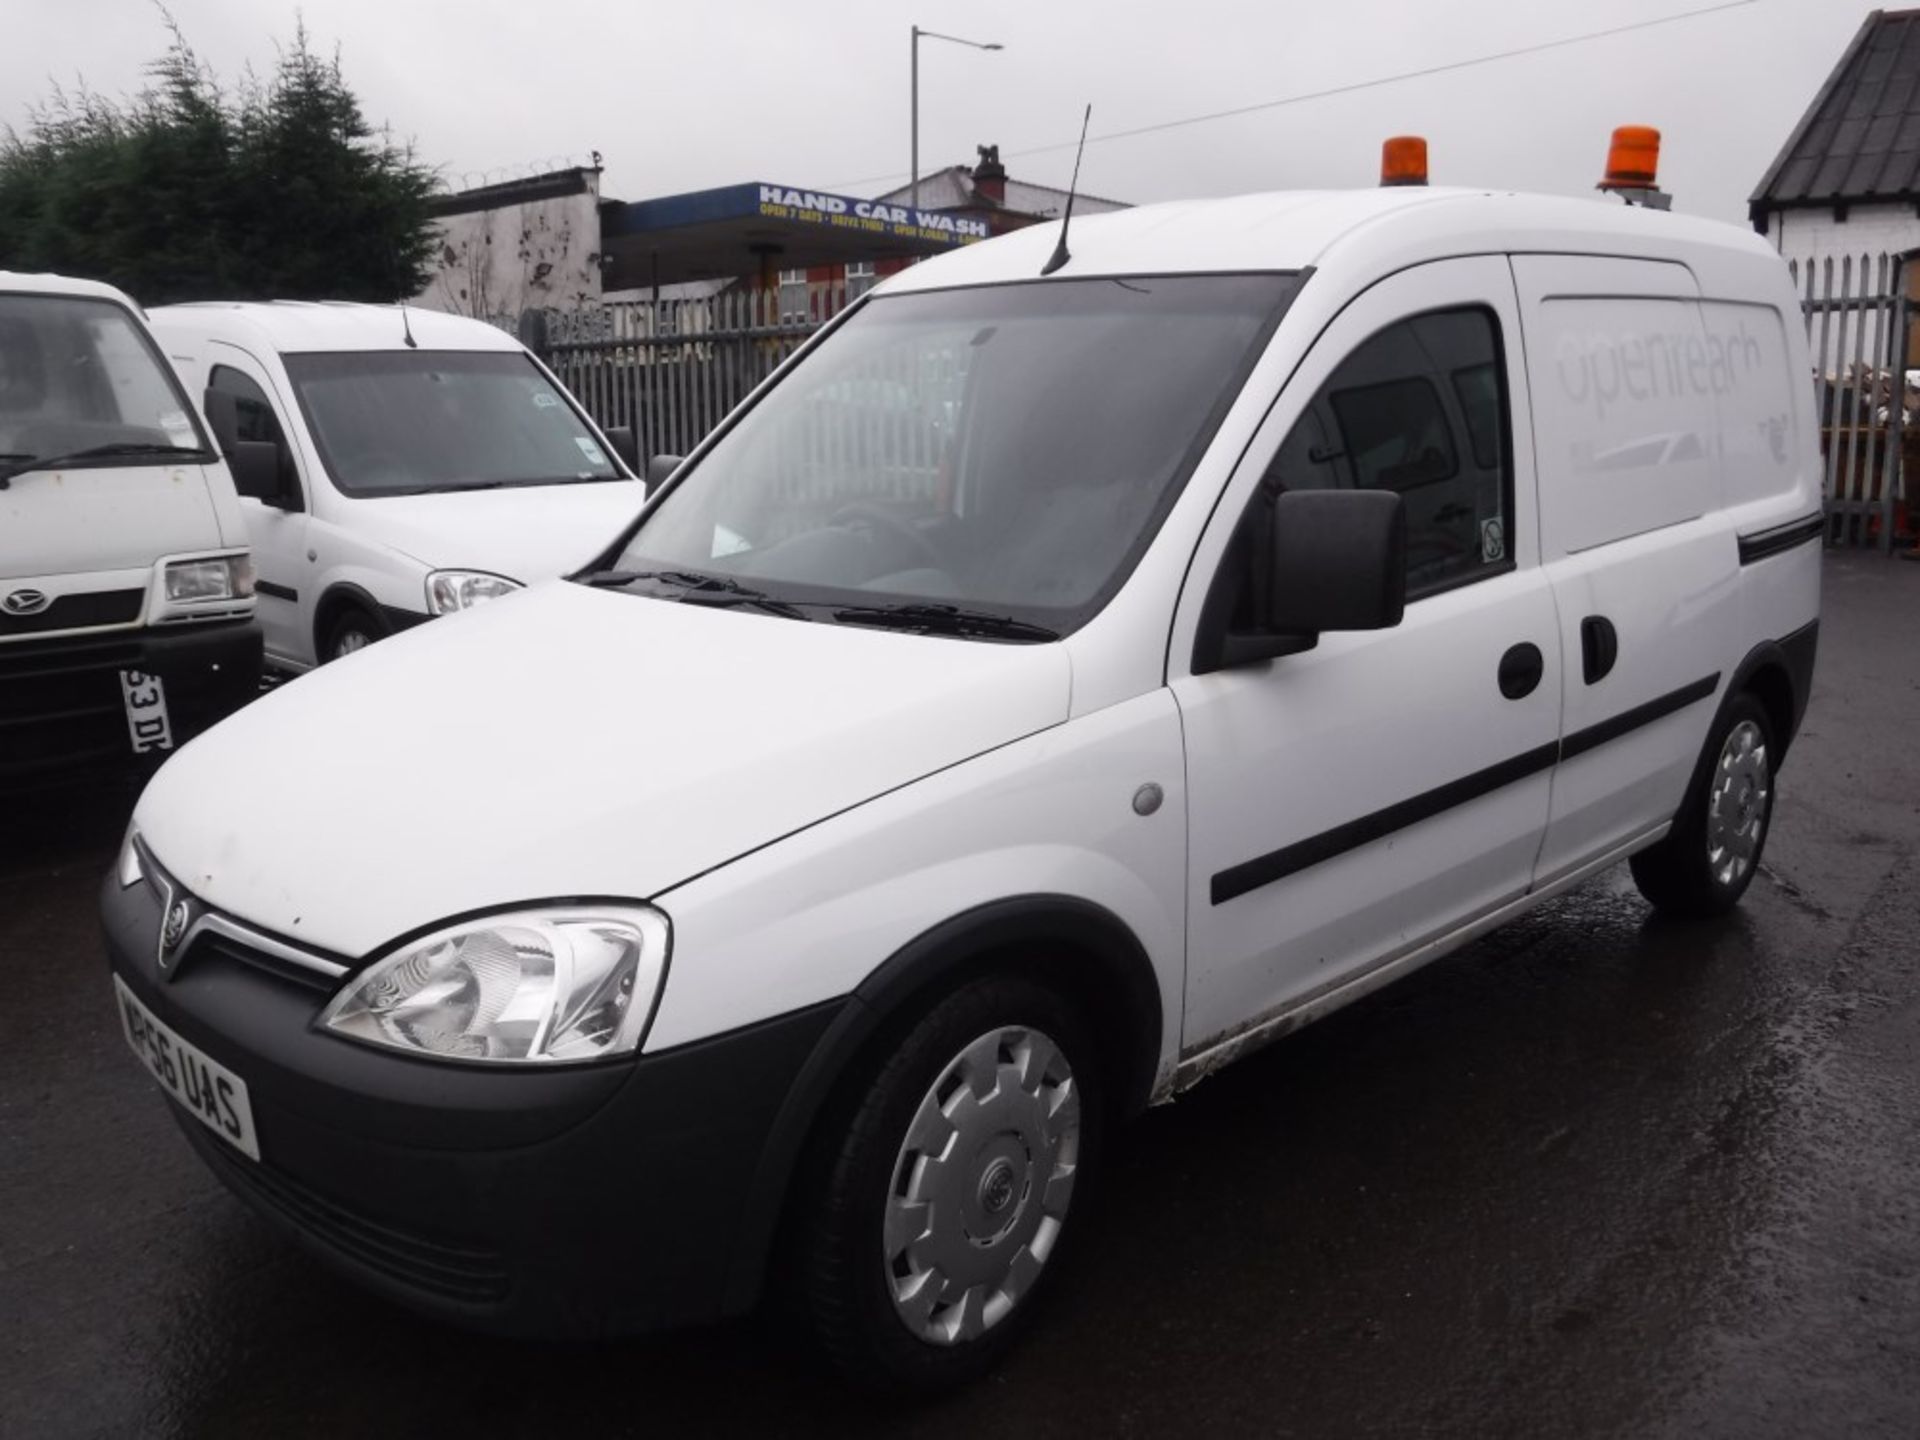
1860	139
953	189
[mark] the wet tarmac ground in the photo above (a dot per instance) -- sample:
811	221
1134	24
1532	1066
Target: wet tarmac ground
1595	1175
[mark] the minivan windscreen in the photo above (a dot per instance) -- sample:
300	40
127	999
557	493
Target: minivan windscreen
81	386
988	462
411	422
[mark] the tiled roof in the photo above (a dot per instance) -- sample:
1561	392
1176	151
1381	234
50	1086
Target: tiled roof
1860	139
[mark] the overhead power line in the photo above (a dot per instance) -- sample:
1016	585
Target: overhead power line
1488	59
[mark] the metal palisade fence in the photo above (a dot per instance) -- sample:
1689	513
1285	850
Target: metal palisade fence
672	369
1857	325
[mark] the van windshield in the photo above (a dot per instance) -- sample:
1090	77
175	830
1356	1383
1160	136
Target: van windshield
411	422
82	384
956	459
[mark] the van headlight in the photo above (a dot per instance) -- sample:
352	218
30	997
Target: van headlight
528	987
451	590
225	577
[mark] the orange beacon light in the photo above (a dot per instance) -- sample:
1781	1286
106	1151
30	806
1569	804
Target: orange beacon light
1403	161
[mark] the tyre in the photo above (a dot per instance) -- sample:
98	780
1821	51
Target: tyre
1707	860
352	629
939	1207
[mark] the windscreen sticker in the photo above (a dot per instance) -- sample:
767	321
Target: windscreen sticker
179	429
590	450
545	400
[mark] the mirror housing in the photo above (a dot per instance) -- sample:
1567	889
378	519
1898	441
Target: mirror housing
1318	560
660	470
621	438
255	467
1339	561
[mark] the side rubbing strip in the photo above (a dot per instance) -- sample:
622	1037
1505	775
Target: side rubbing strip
1250	875
278	592
1278	864
1781	537
1593	736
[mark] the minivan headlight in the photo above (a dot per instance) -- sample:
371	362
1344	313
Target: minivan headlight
528	987
225	577
451	590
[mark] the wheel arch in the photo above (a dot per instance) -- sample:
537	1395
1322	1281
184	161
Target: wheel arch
338	598
1779	674
1080	947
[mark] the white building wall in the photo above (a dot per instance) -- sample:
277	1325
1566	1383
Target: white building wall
541	254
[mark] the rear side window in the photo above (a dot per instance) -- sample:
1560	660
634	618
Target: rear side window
1420	409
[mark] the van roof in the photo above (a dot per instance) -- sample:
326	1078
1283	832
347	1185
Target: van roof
1292	230
302	326
18	283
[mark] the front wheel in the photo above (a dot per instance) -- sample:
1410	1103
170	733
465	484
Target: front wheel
940	1208
1709	857
354	629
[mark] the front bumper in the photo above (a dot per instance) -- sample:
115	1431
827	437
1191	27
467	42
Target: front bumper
62	716
579	1201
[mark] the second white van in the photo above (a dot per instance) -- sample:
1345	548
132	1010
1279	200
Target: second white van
426	463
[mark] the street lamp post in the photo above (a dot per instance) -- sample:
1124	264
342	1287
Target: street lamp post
931	35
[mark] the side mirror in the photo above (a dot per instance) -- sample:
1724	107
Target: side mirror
620	437
255	465
1339	561
1318	560
660	470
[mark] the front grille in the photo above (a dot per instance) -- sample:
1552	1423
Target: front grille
85	610
60	701
451	1269
219	949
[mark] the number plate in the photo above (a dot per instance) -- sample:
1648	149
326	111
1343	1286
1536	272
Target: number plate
146	701
213	1094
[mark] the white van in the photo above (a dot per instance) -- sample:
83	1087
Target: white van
126	593
1308	584
427	462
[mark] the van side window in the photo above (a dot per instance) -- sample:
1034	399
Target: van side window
255	413
1420	408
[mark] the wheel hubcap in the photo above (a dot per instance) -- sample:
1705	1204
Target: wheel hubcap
348	643
981	1185
1738	803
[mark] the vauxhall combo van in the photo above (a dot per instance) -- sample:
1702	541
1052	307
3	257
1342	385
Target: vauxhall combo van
423	463
796	897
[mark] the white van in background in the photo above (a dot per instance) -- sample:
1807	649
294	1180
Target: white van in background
426	463
126	593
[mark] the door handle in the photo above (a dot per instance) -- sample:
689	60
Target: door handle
1599	648
1520	670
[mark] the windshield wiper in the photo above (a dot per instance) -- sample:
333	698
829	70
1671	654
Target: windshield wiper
698	589
21	464
944	619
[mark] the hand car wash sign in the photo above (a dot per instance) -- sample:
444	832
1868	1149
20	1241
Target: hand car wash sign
875	217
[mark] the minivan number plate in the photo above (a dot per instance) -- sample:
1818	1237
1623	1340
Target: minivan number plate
212	1094
146	701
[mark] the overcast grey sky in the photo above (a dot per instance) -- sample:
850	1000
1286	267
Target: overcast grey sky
815	92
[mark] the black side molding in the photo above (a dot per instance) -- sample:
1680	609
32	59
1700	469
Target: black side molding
1289	859
1250	875
1659	708
1781	537
277	592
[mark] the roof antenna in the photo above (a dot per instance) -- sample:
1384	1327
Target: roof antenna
1060	253
406	326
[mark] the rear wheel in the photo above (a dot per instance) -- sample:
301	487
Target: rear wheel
939	1209
1709	857
351	630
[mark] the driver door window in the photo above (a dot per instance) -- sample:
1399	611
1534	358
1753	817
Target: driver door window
256	416
1419	408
